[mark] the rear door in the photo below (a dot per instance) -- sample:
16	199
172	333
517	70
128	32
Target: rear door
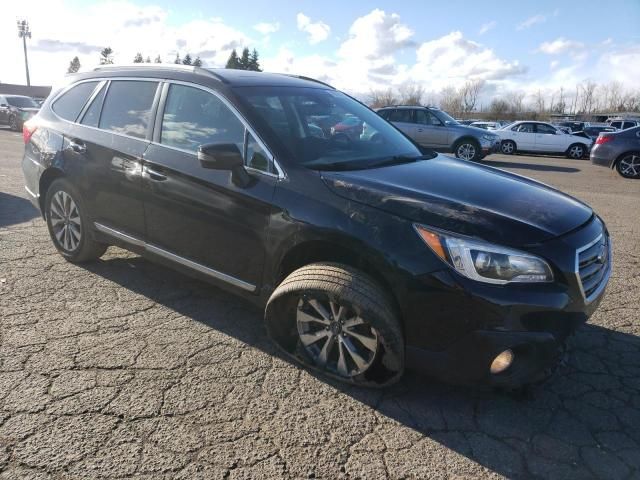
430	131
524	135
403	119
200	217
110	140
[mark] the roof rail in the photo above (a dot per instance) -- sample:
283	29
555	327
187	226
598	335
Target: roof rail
166	66
309	79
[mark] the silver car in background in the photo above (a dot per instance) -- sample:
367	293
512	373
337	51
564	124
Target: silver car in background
432	128
619	150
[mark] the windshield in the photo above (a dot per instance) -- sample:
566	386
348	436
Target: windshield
326	129
22	102
445	117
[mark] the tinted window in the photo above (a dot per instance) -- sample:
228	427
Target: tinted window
541	128
92	115
424	117
400	115
127	107
193	117
384	114
616	124
68	106
256	156
22	102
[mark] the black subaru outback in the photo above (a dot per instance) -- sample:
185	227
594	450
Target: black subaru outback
369	253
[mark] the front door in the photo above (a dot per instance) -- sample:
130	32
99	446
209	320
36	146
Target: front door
525	136
548	139
204	218
430	131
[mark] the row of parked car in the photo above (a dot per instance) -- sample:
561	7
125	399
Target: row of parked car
17	109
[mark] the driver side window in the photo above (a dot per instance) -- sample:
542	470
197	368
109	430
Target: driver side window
545	129
424	117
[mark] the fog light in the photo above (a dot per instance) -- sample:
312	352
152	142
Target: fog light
502	362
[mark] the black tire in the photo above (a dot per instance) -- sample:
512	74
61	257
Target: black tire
86	248
508	147
351	289
471	147
13	124
576	151
629	163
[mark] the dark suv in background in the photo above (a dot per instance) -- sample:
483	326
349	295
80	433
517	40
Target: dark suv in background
16	109
368	254
433	128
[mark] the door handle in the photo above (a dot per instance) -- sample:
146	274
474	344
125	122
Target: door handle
77	146
420	130
153	174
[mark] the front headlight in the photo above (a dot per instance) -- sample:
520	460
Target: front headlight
490	138
483	261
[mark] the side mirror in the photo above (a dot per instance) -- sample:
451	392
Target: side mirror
225	156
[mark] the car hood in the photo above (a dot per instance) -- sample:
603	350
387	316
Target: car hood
468	129
29	109
466	198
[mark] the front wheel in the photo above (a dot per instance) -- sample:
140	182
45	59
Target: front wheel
13	124
467	150
68	223
629	165
576	151
336	319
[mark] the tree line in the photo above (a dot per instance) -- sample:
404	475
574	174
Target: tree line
585	98
246	61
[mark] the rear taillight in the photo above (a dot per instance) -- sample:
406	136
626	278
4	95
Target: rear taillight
602	140
27	130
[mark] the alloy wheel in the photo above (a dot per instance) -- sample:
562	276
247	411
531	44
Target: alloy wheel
65	221
466	151
507	147
335	336
629	166
576	151
13	124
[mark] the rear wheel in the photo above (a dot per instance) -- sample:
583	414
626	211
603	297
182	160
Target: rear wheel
576	151
68	223
467	150
336	319
13	123
508	147
629	165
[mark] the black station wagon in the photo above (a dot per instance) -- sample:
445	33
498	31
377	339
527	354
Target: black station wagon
369	253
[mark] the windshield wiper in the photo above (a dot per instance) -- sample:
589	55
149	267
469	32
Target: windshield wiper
395	160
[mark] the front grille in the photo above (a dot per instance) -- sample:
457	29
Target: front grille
593	265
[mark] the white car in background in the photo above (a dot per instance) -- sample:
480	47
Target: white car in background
541	137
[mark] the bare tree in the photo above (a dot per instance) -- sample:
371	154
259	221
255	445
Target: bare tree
411	93
451	100
515	99
587	90
539	102
498	107
469	94
382	98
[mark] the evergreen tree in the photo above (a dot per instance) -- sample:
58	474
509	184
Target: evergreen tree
177	60
158	59
148	59
244	59
138	58
187	59
254	64
74	65
197	62
234	61
106	56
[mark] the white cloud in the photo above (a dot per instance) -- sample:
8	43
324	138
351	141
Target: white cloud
560	45
267	28
531	21
317	31
376	35
485	27
553	64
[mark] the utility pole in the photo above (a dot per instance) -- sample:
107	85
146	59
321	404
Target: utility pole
24	32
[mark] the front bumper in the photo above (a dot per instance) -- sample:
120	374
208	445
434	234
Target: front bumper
457	339
490	147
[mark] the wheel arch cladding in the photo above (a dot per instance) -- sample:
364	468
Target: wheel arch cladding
46	179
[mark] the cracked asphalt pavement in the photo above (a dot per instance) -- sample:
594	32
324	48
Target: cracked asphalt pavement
123	368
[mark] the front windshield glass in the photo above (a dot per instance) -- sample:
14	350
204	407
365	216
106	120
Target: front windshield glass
326	129
22	102
445	117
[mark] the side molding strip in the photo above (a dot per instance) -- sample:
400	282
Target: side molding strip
175	258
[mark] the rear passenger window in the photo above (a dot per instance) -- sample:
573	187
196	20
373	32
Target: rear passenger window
69	105
127	108
92	115
193	117
403	115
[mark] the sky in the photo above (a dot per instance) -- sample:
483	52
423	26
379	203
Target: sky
357	46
